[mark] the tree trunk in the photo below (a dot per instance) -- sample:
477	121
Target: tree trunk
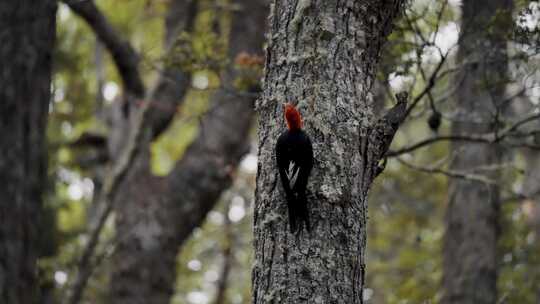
322	56
27	32
470	270
154	215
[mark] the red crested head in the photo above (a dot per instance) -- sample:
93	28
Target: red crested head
292	117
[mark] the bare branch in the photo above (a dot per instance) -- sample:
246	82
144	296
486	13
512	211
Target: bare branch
483	138
449	173
435	139
429	86
123	54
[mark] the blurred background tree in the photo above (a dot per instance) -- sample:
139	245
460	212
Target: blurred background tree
28	36
152	154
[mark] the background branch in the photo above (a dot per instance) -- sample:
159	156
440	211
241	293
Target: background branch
123	54
482	138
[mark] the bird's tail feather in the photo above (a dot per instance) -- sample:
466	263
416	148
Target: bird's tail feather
303	214
291	203
298	212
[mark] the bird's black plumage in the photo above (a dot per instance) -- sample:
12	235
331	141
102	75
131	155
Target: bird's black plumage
294	156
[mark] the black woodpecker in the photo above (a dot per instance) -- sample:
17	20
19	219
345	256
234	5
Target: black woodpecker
294	156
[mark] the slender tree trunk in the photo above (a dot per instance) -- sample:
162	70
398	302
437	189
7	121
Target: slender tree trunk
322	56
228	259
470	270
27	34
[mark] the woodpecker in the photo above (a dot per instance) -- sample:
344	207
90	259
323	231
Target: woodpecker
294	156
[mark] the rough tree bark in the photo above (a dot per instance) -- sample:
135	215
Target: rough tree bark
27	32
322	56
154	215
470	270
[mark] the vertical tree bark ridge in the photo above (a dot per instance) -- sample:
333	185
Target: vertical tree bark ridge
154	216
27	32
470	260
322	56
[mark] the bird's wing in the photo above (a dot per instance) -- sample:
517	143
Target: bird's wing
283	162
292	173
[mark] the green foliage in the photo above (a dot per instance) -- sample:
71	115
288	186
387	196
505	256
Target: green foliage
519	249
170	146
192	52
203	49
